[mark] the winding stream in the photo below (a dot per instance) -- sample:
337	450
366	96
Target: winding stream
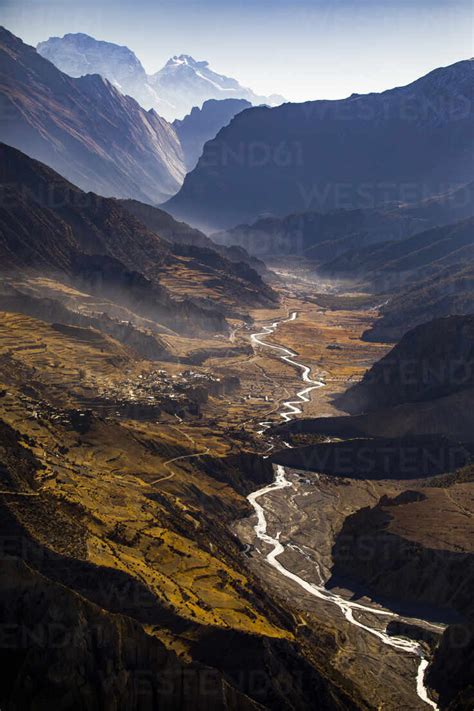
347	608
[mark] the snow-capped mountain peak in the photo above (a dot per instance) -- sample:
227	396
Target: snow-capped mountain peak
181	84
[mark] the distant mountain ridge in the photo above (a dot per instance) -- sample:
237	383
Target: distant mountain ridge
349	237
359	152
79	54
202	124
421	255
183	79
172	91
449	292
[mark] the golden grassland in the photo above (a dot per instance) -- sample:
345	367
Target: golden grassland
141	513
108	473
116	495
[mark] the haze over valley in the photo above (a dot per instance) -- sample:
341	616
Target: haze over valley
236	363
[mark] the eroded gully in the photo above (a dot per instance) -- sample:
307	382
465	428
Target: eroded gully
290	408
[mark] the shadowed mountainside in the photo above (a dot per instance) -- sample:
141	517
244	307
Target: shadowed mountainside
433	360
202	124
181	233
348	242
323	155
85	128
447	292
51	227
423	386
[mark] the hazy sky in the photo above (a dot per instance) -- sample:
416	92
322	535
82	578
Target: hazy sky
303	49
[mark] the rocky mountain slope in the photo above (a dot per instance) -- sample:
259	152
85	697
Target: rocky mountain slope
128	579
434	360
77	54
409	260
173	91
447	292
401	544
181	233
203	124
85	128
352	243
51	228
357	152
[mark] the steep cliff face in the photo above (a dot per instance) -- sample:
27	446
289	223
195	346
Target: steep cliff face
244	471
204	123
77	54
415	548
451	673
85	128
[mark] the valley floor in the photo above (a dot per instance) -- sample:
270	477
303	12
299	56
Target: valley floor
157	496
308	516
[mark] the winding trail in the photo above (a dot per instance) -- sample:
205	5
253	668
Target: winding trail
178	459
347	607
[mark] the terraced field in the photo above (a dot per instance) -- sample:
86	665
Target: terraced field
156	533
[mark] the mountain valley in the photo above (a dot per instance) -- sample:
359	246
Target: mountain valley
236	451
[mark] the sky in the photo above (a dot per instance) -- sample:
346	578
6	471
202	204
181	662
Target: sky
302	49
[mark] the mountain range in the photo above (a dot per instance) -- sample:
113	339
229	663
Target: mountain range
92	131
173	91
438	293
402	145
85	128
150	391
342	238
51	229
